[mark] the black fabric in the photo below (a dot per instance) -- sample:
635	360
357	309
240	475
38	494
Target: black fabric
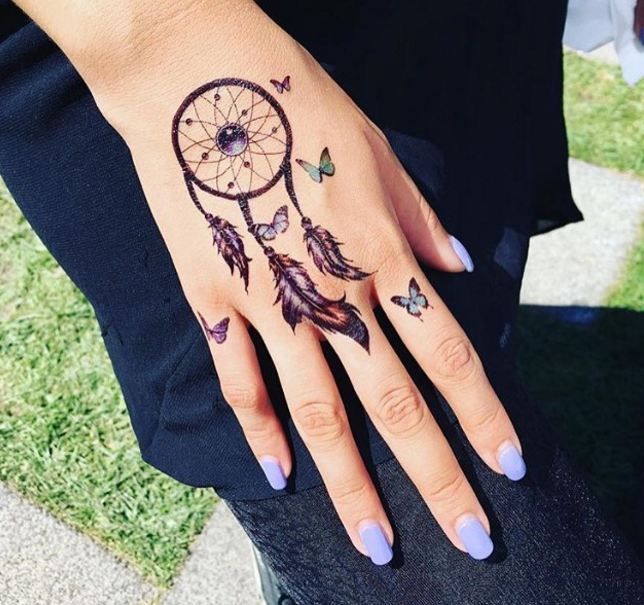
471	101
482	81
553	545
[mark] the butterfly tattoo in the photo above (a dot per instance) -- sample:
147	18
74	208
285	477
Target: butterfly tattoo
218	332
326	166
284	85
415	303
278	225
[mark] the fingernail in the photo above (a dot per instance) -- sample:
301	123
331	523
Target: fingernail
476	540
376	543
511	462
462	253
273	471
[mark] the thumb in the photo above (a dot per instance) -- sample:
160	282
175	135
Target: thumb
426	235
419	222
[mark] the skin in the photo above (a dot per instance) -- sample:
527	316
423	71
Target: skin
140	62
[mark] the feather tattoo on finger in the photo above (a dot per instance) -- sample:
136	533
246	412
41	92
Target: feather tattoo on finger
233	141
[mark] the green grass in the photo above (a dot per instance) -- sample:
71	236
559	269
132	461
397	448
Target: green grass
629	291
604	115
65	438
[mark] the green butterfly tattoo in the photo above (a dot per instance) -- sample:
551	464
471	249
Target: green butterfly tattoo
326	166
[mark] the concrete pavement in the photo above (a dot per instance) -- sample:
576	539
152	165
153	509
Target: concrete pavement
579	264
45	562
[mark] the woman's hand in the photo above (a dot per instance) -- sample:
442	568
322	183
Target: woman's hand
253	208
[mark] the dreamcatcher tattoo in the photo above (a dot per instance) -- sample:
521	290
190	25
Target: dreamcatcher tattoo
233	140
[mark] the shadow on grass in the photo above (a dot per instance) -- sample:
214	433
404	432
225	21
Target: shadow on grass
585	367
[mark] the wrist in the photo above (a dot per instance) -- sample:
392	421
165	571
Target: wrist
135	76
150	36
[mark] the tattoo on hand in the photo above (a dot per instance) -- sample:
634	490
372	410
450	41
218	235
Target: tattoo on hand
233	140
415	302
326	166
278	225
218	332
284	85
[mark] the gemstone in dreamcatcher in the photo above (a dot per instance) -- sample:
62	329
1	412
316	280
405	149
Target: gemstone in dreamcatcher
233	141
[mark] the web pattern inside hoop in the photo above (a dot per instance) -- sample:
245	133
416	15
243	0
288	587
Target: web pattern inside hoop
233	140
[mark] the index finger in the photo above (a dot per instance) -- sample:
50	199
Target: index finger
445	353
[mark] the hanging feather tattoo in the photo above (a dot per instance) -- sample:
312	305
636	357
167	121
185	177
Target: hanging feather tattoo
300	299
324	249
230	245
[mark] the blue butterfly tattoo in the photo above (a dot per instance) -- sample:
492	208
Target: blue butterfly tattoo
415	303
326	166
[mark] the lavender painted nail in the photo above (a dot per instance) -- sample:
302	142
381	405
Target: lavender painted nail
273	471
376	543
511	462
462	253
476	540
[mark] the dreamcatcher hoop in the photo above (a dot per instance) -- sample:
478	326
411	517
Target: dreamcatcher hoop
232	139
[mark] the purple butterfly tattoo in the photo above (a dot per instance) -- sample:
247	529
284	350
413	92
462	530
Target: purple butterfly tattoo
284	85
415	303
218	332
233	141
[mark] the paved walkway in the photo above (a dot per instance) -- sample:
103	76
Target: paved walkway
44	562
219	569
578	265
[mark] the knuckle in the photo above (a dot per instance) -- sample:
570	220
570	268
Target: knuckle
260	431
390	255
241	396
446	487
349	494
454	359
390	246
484	419
320	421
401	410
198	289
390	252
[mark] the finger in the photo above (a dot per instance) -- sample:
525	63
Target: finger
419	222
321	420
402	417
448	358
243	387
